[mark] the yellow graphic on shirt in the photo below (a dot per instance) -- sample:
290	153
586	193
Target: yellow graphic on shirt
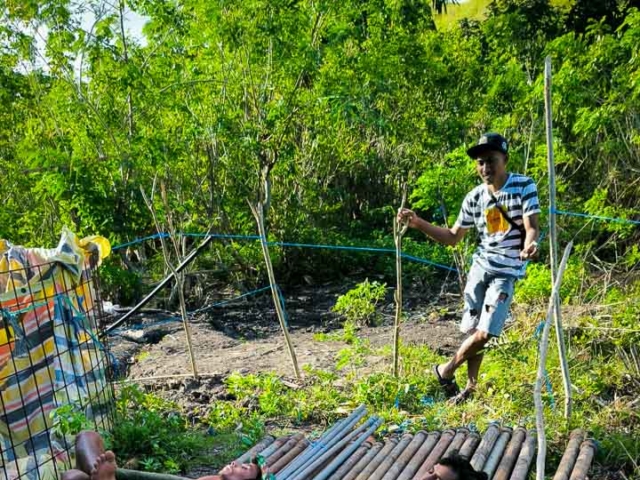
496	223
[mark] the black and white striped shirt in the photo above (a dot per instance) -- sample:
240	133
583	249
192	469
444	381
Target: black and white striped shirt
499	249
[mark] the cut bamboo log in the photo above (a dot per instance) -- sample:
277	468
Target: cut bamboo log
289	456
583	463
484	449
570	455
351	461
257	448
379	472
420	456
525	459
510	455
496	453
275	446
389	445
457	442
470	445
318	461
373	424
436	454
405	457
283	450
364	461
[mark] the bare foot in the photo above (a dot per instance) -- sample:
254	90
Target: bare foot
105	467
75	474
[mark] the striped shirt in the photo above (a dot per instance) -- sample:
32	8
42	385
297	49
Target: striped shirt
499	249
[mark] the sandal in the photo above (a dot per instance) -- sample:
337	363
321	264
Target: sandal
461	397
449	385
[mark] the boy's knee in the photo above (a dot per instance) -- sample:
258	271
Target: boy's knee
481	336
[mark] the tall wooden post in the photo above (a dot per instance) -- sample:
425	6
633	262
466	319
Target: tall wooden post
542	368
553	239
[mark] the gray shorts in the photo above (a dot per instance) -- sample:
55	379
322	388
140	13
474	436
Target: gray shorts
487	298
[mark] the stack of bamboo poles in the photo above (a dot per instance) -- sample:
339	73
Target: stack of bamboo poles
349	452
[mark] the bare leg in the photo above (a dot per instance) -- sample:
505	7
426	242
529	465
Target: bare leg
469	349
473	368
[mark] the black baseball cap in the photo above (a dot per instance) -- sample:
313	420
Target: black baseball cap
489	142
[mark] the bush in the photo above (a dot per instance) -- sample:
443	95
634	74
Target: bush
358	305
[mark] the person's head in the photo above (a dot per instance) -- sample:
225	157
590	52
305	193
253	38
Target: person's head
245	471
454	467
491	155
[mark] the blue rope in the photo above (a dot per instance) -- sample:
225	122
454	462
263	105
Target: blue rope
595	217
301	245
140	240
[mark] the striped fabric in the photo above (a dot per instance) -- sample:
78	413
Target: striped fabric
49	355
499	249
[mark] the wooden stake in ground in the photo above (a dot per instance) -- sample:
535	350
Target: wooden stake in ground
258	213
553	238
540	379
398	232
179	276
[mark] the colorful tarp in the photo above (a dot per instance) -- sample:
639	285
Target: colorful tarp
49	353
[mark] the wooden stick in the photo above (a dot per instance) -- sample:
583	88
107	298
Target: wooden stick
544	346
398	233
570	455
553	239
179	282
259	216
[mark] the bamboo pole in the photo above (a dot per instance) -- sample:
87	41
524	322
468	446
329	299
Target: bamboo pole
271	449
583	463
258	213
486	445
371	426
419	457
253	451
544	346
457	442
283	450
389	445
570	455
405	457
385	465
350	462
357	468
553	238
436	454
510	455
398	233
496	453
525	458
469	446
289	456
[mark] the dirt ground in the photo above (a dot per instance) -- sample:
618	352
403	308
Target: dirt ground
245	336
